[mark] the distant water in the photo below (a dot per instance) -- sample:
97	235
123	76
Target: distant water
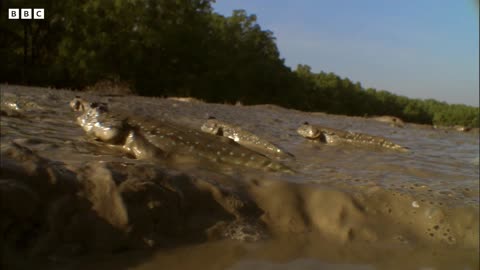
352	194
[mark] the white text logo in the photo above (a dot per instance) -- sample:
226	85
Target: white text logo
26	13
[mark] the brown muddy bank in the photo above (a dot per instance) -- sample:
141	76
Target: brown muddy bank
71	202
53	211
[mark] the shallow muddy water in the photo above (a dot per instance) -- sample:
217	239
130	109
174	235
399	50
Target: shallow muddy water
345	207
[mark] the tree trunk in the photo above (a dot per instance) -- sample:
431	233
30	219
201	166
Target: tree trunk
25	50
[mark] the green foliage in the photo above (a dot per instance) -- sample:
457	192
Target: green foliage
333	94
183	48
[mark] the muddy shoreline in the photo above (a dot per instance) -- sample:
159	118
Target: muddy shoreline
67	201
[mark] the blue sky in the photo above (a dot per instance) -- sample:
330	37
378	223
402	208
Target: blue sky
415	48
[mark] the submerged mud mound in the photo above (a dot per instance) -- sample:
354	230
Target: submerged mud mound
65	196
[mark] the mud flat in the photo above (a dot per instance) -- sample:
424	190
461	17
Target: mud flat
70	202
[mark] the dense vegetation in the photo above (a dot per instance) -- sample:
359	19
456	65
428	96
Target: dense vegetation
183	48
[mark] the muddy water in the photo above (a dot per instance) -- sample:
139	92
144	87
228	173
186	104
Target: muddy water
347	207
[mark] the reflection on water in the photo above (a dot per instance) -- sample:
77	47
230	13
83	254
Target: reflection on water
439	174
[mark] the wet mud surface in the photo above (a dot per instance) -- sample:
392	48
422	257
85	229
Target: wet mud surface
69	201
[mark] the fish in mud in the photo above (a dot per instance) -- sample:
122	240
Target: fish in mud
392	120
103	125
333	136
12	105
243	137
80	105
146	139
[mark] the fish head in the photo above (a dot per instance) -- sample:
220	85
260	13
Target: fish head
212	126
98	122
78	104
308	131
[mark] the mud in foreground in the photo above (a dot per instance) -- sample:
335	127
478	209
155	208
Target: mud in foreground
69	202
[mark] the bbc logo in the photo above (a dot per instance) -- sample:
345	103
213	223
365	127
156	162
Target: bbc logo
26	13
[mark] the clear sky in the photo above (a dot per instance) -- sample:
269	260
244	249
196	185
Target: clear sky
415	48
